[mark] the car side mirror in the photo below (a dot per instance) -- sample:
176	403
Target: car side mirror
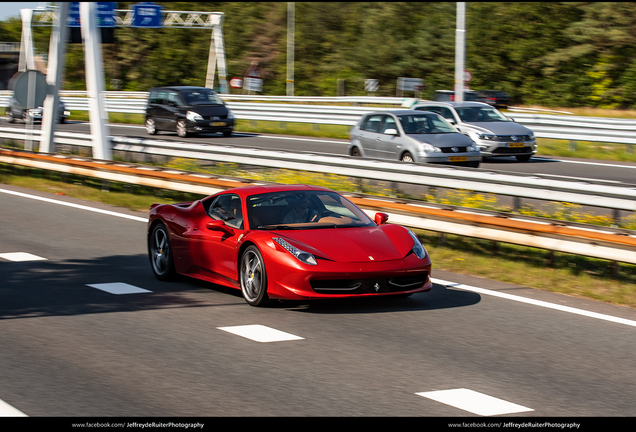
219	225
452	121
381	218
511	119
391	132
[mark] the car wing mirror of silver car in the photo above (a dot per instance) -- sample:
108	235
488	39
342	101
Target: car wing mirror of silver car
391	132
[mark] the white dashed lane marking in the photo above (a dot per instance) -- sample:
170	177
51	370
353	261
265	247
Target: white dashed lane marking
7	410
118	288
20	256
474	402
260	333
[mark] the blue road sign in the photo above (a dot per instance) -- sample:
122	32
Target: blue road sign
105	14
147	15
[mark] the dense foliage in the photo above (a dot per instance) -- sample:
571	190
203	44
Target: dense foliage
548	53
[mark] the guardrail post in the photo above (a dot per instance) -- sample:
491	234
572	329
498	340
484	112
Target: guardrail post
572	145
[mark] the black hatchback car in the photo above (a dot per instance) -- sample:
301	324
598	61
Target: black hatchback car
187	110
495	98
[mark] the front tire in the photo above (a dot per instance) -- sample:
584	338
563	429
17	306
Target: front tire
181	129
407	157
253	277
355	152
160	253
523	158
10	117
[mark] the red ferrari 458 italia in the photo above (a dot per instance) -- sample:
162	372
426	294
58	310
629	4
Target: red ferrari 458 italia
286	242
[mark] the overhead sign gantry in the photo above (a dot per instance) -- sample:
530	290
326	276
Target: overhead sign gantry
91	14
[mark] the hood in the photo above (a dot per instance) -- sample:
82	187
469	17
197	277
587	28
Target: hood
444	140
499	128
208	110
363	244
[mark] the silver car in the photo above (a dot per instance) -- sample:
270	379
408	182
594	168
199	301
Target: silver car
496	134
412	136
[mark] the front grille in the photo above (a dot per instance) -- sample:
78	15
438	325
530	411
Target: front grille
459	150
220	117
513	138
369	285
511	150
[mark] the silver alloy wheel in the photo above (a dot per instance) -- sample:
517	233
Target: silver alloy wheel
151	128
253	278
406	157
181	128
160	252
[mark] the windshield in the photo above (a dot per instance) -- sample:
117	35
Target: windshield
425	124
480	114
201	96
303	210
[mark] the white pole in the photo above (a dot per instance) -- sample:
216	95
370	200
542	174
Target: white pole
95	81
54	76
460	40
219	45
291	18
26	60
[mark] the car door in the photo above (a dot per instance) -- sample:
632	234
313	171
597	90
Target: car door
215	238
369	134
172	109
388	146
158	108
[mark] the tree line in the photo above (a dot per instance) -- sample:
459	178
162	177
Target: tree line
565	54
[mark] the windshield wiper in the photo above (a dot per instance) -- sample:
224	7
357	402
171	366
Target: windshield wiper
275	227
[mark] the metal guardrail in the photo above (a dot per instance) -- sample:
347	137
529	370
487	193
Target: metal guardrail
597	193
244	107
598	242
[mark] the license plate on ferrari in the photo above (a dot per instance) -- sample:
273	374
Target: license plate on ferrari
217	124
458	158
516	145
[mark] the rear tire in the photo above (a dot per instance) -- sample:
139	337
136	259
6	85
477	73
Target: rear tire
151	126
160	253
355	152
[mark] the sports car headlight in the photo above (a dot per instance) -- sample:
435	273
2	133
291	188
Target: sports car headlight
192	116
302	256
418	249
230	115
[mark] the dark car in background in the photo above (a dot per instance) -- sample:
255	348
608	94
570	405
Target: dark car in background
16	112
449	95
188	110
496	98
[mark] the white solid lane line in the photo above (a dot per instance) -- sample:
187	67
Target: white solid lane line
474	402
77	206
536	302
